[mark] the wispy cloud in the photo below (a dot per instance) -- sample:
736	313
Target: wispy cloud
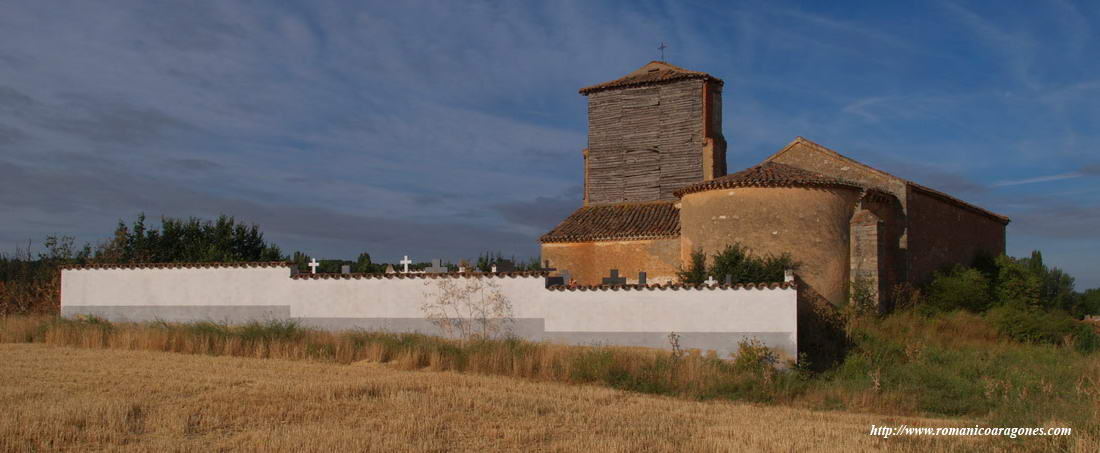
431	128
1015	46
1037	179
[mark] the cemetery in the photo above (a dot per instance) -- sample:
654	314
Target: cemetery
536	306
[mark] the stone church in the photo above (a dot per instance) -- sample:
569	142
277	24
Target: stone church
656	189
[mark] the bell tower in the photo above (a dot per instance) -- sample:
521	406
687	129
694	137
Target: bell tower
651	132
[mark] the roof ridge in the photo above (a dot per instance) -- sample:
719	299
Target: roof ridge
654	72
769	174
908	182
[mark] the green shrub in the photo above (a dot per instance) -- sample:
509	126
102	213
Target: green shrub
696	273
737	262
1016	283
1030	325
959	288
753	355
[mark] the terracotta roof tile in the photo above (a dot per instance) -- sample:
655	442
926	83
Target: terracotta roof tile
620	221
676	287
652	73
769	174
177	265
941	195
399	276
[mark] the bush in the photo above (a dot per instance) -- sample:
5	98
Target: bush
1089	302
1016	283
737	262
753	355
959	288
697	272
1029	325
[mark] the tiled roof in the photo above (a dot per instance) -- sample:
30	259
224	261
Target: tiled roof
769	174
654	72
177	265
675	287
398	275
649	220
942	196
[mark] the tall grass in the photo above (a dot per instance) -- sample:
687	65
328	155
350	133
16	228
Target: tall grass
955	364
638	369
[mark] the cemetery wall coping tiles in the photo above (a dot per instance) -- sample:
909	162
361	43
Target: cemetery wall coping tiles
176	265
362	276
676	287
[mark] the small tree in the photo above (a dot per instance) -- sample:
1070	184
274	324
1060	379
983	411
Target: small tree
960	287
467	308
737	262
697	272
1016	284
363	263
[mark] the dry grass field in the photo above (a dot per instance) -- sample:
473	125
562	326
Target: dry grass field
62	398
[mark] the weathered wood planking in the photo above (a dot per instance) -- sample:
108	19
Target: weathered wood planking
645	142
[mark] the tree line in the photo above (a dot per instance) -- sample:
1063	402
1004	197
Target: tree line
30	283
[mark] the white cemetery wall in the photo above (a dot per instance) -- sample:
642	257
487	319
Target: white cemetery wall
176	293
706	319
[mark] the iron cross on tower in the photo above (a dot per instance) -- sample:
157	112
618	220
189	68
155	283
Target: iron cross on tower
662	48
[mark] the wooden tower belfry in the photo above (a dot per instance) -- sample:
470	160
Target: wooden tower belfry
651	132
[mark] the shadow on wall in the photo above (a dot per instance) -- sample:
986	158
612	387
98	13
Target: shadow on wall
821	334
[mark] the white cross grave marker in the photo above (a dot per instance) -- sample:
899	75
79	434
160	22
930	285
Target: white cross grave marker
406	262
710	280
313	265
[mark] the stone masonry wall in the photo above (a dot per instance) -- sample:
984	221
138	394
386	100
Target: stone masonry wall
811	224
941	234
867	256
589	262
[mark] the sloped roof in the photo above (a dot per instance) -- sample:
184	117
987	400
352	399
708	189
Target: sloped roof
912	185
620	221
769	174
652	73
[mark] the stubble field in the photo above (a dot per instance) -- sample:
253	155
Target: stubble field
61	398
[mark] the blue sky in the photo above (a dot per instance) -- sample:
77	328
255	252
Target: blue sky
443	129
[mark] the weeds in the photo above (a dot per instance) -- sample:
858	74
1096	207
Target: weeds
954	364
